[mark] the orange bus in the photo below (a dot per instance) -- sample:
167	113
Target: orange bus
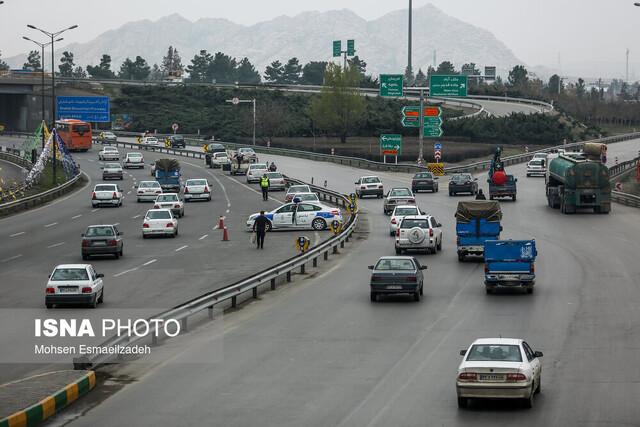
76	134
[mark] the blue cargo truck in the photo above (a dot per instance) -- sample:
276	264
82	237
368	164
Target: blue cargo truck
167	173
476	222
510	263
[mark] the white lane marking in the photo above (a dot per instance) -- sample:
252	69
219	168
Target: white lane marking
95	210
17	234
90	160
227	211
11	258
125	272
137	216
55	245
150	262
181	248
203	237
116	224
50	225
76	217
129	192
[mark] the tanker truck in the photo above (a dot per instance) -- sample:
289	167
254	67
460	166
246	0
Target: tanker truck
575	183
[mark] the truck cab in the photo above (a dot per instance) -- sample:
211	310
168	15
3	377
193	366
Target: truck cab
509	263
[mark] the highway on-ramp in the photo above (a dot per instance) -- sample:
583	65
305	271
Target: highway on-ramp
319	353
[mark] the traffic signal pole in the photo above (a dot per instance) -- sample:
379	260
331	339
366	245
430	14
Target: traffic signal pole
421	137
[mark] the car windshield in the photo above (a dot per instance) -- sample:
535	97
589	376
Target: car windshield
258	166
99	232
274	175
395	264
152	138
197	182
113	149
307	197
299	189
148	184
134	155
70	274
246	150
400	192
370	180
112	166
493	352
158	215
410	223
218	155
105	188
537	162
424	175
461	178
177	138
406	211
167	198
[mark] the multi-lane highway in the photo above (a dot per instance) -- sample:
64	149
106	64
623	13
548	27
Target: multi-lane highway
319	353
153	273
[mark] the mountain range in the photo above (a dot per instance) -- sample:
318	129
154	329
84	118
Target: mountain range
382	42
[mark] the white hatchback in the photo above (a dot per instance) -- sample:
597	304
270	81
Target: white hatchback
159	222
499	368
74	284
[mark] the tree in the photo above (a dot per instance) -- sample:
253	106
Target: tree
580	88
555	85
66	64
33	61
199	68
223	68
519	77
471	69
291	72
102	71
313	73
339	106
359	64
156	73
409	78
274	72
3	65
79	73
446	68
247	73
172	63
134	70
421	79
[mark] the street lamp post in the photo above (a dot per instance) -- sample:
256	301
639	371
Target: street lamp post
53	86
236	101
42	46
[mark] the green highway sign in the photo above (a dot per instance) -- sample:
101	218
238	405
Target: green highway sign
432	122
411	117
433	131
351	47
391	144
391	85
337	48
454	85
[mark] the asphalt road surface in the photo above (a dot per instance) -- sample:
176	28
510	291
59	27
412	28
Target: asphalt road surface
319	353
153	273
10	173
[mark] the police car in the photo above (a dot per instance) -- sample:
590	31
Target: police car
303	215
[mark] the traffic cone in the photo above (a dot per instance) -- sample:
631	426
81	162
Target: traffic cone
225	234
221	222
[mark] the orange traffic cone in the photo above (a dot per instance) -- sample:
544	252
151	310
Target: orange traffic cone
225	234
221	222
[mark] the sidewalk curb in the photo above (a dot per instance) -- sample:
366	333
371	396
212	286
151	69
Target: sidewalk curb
52	404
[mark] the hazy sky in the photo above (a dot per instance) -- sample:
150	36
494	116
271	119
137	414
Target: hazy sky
538	31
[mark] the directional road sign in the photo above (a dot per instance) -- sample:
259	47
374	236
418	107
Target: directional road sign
351	47
337	48
411	117
391	144
437	146
391	85
85	108
448	86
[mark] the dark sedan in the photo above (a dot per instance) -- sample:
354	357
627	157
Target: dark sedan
397	275
177	141
102	240
463	183
423	181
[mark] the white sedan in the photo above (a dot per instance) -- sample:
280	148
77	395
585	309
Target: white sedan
295	189
499	368
148	191
170	201
537	167
151	141
307	215
109	153
398	214
306	197
134	160
159	222
255	172
74	284
106	194
197	189
276	181
219	159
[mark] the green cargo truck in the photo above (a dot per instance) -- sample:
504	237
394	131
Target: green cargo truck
574	183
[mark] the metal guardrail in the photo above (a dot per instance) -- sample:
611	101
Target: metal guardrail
616	172
252	283
625	199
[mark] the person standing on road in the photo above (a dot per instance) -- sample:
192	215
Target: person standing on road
264	185
260	227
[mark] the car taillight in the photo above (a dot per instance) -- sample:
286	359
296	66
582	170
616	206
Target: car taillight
145	225
114	195
140	192
380	187
112	242
156	207
486	268
412	201
411	279
186	190
93	196
51	290
158	191
468	376
86	242
398	232
516	377
169	225
393	221
363	187
335	212
431	232
176	206
86	290
206	189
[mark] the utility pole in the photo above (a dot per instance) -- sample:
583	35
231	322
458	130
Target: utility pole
236	101
409	64
627	80
421	140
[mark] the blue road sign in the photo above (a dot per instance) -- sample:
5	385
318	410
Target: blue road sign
85	108
437	146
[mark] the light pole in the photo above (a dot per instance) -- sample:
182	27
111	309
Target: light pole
42	46
53	86
236	101
409	64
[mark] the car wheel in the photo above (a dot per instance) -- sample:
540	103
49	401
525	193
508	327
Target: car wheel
267	227
49	305
392	233
462	402
539	388
144	236
138	200
398	251
416	296
374	297
528	402
436	189
117	255
101	299
421	288
514	197
122	251
488	290
439	247
530	290
450	193
94	303
460	257
85	257
319	224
